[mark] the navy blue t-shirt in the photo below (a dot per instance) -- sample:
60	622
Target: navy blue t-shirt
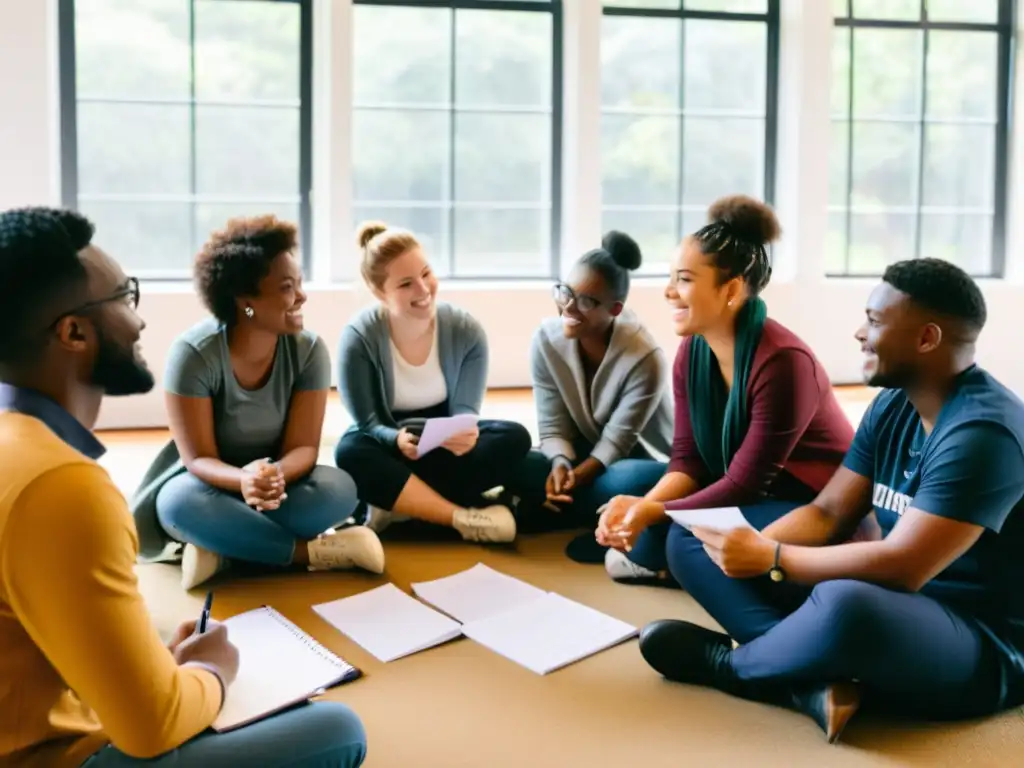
970	468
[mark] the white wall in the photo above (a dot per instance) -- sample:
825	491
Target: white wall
825	312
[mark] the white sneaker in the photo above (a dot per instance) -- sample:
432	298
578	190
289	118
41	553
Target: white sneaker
493	524
621	568
378	519
199	565
353	547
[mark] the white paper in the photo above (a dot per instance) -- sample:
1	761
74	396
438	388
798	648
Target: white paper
549	633
388	623
716	518
436	431
476	593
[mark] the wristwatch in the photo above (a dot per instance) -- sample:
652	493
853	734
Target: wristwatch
776	572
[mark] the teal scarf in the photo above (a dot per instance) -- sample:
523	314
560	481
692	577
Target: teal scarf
720	417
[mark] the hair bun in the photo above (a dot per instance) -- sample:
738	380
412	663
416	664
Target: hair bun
369	230
623	249
749	219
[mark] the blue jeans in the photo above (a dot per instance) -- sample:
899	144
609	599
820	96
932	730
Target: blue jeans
633	476
196	513
319	735
911	653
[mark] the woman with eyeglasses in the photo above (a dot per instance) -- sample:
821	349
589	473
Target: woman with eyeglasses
246	395
757	424
403	363
599	383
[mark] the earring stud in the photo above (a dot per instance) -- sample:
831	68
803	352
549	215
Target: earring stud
249	312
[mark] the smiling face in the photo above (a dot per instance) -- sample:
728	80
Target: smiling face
410	288
278	306
699	302
585	303
894	337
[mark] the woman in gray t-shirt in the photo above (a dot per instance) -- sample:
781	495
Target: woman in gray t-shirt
246	396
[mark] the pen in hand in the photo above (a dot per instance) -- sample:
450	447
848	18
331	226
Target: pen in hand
204	617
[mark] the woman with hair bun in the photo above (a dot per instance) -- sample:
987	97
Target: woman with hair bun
599	382
402	362
757	424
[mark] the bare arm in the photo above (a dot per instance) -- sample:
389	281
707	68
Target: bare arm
833	517
302	434
191	421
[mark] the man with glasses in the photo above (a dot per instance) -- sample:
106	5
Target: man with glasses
84	676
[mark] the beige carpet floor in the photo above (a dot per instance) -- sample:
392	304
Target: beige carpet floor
463	705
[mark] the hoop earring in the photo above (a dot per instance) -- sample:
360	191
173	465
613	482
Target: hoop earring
249	312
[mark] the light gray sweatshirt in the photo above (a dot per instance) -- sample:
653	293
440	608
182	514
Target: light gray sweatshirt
630	398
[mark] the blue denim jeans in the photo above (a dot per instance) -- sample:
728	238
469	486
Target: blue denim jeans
319	735
196	513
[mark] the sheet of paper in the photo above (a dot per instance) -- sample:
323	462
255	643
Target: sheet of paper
716	518
388	623
549	633
436	431
476	593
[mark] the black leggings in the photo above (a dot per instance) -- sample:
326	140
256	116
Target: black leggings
381	471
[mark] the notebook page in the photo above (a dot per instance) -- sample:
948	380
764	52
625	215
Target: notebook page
476	593
544	635
276	668
716	518
388	623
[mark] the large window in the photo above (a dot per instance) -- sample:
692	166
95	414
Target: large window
688	113
919	162
456	121
180	114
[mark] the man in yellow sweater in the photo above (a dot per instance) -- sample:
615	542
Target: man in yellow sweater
84	677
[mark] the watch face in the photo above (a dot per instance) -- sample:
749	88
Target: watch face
777	574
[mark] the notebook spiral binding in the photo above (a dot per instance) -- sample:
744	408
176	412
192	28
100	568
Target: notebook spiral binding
308	641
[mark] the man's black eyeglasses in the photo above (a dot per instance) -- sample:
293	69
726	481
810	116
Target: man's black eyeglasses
563	294
129	291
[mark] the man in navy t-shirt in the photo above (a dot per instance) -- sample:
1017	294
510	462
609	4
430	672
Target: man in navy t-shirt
925	616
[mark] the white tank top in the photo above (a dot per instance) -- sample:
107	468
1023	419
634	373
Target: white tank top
417	386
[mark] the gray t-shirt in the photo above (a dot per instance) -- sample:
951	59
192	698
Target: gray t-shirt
248	424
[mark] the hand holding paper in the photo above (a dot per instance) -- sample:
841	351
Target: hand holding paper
716	519
437	431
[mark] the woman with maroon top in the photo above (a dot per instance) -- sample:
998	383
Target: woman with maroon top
756	422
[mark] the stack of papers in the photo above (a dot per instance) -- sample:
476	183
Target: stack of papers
539	630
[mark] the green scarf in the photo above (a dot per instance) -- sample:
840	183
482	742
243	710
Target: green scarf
720	417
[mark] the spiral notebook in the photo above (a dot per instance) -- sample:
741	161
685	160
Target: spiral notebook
279	666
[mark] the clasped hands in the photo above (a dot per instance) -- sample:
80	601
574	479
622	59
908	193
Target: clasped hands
459	444
263	486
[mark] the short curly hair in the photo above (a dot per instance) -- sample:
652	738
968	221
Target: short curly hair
235	260
40	269
941	287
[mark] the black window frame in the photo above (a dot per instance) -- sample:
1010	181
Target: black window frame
555	9
69	127
1004	28
771	19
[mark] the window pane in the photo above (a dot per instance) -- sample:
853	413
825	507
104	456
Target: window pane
983	11
150	239
959	168
247	50
737	6
247	151
429	223
400	155
840	72
503	58
965	240
725	65
722	157
879	239
963	74
640	62
887	72
654	231
835	244
904	10
126	48
503	157
213	217
640	160
840	8
506	242
401	55
884	164
838	162
641	3
133	148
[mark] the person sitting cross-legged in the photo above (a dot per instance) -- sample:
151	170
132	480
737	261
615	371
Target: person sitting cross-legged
925	621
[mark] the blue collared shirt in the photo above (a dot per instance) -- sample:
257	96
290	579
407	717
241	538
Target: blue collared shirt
61	423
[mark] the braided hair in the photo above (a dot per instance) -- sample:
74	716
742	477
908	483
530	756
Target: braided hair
736	240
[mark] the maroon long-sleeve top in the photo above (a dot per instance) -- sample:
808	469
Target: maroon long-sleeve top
798	433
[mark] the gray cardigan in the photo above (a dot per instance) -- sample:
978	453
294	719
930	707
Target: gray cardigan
366	373
629	399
